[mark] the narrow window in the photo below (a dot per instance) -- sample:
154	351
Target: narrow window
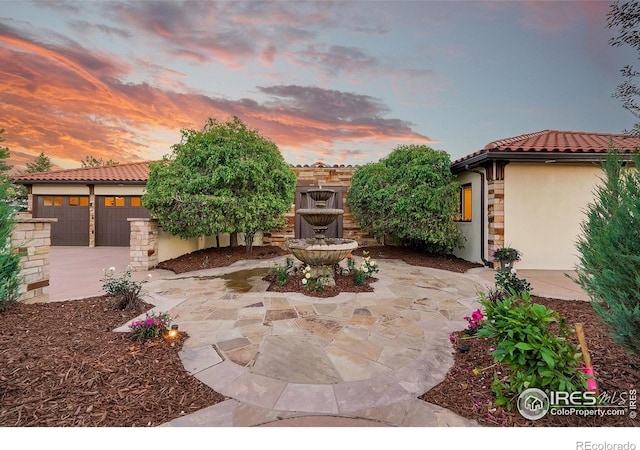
84	201
47	201
74	201
57	201
464	207
109	201
135	201
119	201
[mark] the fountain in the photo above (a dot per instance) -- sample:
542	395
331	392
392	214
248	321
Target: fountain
321	253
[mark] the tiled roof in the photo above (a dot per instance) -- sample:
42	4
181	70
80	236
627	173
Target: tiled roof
554	141
135	173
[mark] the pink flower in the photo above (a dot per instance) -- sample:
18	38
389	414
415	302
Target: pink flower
452	339
492	349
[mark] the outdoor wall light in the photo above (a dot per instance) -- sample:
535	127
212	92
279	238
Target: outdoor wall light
173	332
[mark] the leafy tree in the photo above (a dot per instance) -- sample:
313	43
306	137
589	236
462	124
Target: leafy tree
609	247
4	155
625	16
92	161
411	195
9	260
225	178
42	163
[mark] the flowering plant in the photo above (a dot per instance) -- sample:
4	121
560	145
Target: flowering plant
367	269
474	320
124	288
506	254
153	326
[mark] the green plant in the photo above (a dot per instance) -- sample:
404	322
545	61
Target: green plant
225	178
507	282
410	195
10	279
282	272
155	325
609	252
534	342
126	290
506	254
367	268
311	283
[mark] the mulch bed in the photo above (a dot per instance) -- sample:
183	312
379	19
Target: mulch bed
469	395
344	283
62	366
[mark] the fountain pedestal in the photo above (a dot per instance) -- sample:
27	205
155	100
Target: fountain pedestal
321	253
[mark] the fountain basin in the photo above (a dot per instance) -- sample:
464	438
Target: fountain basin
319	216
325	252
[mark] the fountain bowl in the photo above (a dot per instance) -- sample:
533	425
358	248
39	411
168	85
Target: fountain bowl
319	216
324	252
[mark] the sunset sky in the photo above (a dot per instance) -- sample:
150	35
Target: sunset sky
338	82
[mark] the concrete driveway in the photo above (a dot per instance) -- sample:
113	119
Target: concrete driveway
75	272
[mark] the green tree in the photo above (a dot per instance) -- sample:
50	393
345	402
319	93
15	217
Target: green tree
412	195
225	178
92	161
42	163
609	252
4	155
9	260
625	17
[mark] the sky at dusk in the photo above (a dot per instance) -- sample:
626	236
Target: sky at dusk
337	82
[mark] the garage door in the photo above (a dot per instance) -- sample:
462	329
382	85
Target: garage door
72	212
112	212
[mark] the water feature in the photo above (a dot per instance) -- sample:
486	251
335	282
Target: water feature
321	253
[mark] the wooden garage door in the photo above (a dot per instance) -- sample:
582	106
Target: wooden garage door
72	212
112	227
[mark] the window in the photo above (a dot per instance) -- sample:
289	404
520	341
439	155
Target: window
135	201
464	208
114	201
78	201
47	201
57	201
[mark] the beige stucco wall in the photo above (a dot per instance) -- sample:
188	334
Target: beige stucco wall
114	189
170	246
543	209
60	189
472	250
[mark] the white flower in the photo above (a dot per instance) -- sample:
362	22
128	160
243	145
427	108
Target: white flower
149	276
307	275
304	281
112	269
365	270
372	263
307	269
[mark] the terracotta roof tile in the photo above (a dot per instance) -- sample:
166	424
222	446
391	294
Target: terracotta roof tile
554	141
137	172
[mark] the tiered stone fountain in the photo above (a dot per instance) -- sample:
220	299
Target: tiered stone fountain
321	253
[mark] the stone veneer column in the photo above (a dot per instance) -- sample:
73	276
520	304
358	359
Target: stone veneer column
143	253
32	239
495	214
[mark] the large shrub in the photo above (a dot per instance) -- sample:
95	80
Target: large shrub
224	178
411	195
609	252
9	260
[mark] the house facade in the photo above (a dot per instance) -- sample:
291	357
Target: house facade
530	192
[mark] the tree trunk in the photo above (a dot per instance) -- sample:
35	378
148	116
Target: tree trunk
248	240
233	239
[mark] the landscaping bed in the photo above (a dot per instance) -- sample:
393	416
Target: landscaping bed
64	367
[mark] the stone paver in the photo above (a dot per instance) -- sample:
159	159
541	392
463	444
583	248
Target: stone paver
287	355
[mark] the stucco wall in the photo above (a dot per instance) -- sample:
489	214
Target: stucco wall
60	189
472	250
543	209
118	190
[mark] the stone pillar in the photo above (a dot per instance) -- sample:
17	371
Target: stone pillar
143	253
495	205
92	216
32	239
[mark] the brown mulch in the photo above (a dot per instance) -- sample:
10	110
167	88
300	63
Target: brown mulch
219	257
344	283
62	366
469	395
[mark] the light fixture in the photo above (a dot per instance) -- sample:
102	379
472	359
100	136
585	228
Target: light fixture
173	332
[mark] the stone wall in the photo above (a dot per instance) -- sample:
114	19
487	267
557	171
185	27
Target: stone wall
322	176
32	239
143	246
